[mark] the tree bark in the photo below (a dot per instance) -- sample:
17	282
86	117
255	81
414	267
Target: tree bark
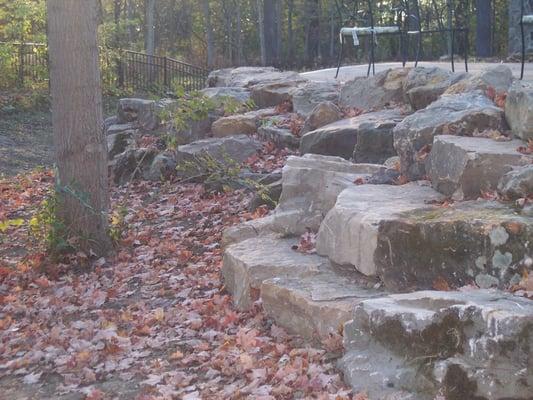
80	145
209	30
239	34
261	21
149	39
269	30
290	32
483	28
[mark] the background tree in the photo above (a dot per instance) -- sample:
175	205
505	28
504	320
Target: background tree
81	151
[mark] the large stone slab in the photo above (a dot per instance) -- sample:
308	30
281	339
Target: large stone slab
424	85
517	183
237	148
369	135
144	114
241	124
452	114
271	92
349	234
306	97
462	345
463	167
240	77
323	114
481	242
223	95
249	263
519	109
499	78
311	185
281	137
379	91
314	306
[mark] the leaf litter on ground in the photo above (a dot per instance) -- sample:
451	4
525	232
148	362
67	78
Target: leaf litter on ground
152	319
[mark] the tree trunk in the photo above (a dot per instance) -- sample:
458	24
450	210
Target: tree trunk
80	145
269	30
261	21
130	11
239	34
149	39
483	28
209	29
290	32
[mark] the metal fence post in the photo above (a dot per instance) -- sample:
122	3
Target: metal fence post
165	73
21	65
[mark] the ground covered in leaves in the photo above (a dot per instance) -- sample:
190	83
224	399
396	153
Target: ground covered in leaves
150	322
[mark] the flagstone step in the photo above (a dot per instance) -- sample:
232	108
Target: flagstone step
247	264
315	306
463	167
398	235
471	344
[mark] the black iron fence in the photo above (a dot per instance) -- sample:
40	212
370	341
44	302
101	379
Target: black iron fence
139	71
23	63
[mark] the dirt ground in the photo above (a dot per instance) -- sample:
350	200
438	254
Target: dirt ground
25	141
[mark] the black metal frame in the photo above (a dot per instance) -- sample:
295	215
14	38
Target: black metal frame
353	18
404	8
140	71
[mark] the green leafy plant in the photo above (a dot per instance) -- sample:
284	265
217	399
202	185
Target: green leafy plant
118	225
48	229
223	174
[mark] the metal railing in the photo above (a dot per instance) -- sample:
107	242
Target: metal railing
139	71
24	63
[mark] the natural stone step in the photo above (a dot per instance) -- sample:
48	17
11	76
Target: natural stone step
350	231
519	109
368	137
463	345
281	137
311	185
249	263
314	306
463	167
459	115
485	242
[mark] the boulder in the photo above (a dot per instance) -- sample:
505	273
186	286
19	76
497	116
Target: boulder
519	109
248	264
323	114
458	345
452	114
482	242
464	167
242	124
379	91
132	164
118	128
221	95
193	130
300	198
272	92
113	120
240	77
236	148
350	232
119	142
162	167
423	85
517	183
369	136
306	97
315	306
267	196
499	78
144	114
281	137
